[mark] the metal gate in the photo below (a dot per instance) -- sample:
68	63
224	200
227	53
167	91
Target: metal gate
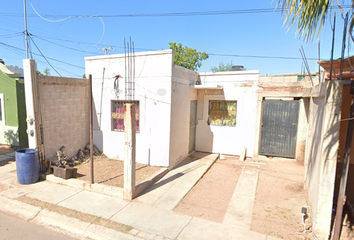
192	125
279	128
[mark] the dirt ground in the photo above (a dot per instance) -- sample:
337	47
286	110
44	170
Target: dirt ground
278	201
6	149
111	172
210	198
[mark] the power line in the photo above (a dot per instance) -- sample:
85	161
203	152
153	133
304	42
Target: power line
255	56
22	50
43	55
168	14
60	45
212	54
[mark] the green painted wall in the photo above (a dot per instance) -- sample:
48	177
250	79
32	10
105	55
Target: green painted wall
8	88
15	106
21	109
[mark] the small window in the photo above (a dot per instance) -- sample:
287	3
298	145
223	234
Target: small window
222	113
118	115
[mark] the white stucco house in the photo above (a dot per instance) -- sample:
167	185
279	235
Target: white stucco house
178	110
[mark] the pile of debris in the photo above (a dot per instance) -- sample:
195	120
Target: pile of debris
83	155
64	168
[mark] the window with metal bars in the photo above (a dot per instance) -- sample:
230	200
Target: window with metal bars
222	113
117	115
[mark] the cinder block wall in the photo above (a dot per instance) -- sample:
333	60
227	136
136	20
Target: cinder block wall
64	107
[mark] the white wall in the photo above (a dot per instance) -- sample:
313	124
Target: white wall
153	74
180	112
313	163
322	154
239	86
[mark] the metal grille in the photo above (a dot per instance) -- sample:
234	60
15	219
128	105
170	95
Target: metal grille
222	113
118	115
279	128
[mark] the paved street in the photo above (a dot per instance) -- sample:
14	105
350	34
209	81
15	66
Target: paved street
13	228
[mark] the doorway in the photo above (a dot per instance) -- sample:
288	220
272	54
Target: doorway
279	128
192	125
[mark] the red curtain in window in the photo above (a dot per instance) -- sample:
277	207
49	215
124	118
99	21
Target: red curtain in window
119	121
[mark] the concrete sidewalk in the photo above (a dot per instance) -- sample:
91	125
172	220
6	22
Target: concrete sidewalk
7	157
150	216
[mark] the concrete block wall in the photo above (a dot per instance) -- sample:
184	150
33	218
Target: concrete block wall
64	107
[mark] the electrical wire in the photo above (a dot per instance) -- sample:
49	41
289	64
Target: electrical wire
74	49
43	55
146	49
255	56
12	47
48	20
20	53
171	14
103	31
56	21
12	35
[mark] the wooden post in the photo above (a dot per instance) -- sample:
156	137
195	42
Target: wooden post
129	151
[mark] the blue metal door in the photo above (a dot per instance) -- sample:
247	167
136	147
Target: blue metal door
279	128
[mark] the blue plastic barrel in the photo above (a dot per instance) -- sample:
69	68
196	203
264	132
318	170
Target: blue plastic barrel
27	165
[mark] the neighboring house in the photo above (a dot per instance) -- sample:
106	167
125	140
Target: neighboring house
12	108
178	110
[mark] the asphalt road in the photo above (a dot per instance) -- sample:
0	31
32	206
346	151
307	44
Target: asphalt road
18	229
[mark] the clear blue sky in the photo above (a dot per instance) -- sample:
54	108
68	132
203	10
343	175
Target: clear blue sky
69	41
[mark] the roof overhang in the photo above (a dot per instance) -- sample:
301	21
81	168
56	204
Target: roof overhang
211	87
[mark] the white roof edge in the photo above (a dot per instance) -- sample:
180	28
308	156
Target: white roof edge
246	72
5	69
121	55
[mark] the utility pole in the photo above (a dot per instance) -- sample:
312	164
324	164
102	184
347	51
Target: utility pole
26	32
106	49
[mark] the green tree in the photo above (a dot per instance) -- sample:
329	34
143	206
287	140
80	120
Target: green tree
222	67
310	15
39	73
47	72
188	57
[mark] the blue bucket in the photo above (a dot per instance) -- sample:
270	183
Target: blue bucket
27	165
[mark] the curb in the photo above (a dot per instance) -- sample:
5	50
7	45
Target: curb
106	189
60	223
86	185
